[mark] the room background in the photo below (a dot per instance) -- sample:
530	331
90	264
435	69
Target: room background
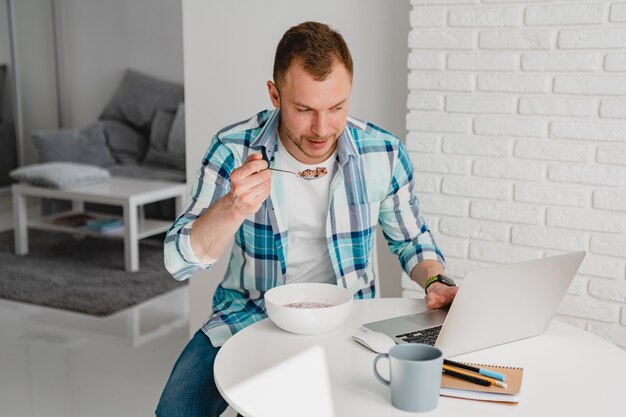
59	363
97	42
94	51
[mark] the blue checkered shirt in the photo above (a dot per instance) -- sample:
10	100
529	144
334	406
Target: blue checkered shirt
373	183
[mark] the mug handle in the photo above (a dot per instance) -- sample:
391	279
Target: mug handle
376	374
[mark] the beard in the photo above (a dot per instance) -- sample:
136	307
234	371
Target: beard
284	130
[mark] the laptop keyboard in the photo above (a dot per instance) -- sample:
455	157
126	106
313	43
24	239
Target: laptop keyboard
425	336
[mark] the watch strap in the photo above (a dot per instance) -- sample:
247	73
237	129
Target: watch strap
438	278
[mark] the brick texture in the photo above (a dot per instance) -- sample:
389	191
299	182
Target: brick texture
516	115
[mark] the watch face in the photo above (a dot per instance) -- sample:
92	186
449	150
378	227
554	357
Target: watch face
444	279
439	278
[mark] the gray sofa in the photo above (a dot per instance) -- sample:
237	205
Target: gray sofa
139	134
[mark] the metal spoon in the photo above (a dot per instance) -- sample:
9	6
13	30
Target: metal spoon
297	174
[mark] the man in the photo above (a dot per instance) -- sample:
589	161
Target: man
288	229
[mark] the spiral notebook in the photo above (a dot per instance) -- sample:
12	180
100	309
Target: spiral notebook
455	387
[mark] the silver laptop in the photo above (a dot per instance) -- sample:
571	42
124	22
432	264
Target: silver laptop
493	306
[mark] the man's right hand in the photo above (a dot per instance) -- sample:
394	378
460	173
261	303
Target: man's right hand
250	185
440	295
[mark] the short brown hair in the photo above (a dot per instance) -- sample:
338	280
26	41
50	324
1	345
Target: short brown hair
316	46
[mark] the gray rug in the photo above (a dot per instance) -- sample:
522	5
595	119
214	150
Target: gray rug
80	274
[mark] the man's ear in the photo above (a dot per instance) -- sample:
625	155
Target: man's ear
274	96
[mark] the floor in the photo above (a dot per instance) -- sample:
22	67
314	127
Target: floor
62	364
55	363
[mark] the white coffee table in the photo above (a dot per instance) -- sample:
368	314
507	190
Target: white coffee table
130	194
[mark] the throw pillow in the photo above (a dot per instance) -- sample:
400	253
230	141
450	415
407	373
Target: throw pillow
86	145
158	155
176	137
139	96
60	174
159	129
126	144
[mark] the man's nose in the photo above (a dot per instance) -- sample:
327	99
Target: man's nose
321	127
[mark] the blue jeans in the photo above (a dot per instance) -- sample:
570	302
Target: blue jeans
190	391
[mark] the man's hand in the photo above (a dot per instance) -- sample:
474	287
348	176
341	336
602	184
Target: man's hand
250	185
440	295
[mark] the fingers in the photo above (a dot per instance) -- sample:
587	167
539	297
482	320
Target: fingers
440	297
252	173
250	184
254	157
240	184
253	164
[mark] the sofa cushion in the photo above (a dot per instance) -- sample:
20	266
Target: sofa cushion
159	129
126	144
86	146
60	174
176	137
139	96
158	155
146	172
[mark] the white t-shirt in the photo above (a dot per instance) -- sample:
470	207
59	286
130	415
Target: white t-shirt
308	259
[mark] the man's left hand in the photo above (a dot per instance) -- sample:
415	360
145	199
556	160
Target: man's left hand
440	295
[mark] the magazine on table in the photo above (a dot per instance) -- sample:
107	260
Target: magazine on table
104	225
74	220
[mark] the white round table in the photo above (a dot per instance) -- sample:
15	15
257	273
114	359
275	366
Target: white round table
265	371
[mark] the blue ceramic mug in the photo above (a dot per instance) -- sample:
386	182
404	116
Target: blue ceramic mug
414	376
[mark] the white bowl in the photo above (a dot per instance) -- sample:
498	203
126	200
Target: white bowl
308	320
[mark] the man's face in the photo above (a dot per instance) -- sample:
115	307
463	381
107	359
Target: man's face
313	113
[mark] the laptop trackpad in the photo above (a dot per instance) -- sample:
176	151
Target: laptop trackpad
427	319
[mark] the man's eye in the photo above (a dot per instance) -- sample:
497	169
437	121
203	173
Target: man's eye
304	110
337	108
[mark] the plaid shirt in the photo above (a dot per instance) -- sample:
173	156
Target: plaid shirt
373	183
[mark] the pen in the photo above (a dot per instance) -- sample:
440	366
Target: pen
482	371
468	374
464	377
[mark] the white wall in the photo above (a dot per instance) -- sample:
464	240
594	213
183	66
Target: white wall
229	54
517	119
33	26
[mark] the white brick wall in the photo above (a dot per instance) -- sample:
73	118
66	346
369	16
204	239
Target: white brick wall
517	129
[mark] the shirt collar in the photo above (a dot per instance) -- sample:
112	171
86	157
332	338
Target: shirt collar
267	137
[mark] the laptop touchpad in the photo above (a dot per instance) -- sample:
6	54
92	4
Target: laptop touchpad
428	318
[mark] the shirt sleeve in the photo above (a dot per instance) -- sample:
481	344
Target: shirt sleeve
403	225
211	184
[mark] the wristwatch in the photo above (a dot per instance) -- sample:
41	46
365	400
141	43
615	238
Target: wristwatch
438	278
